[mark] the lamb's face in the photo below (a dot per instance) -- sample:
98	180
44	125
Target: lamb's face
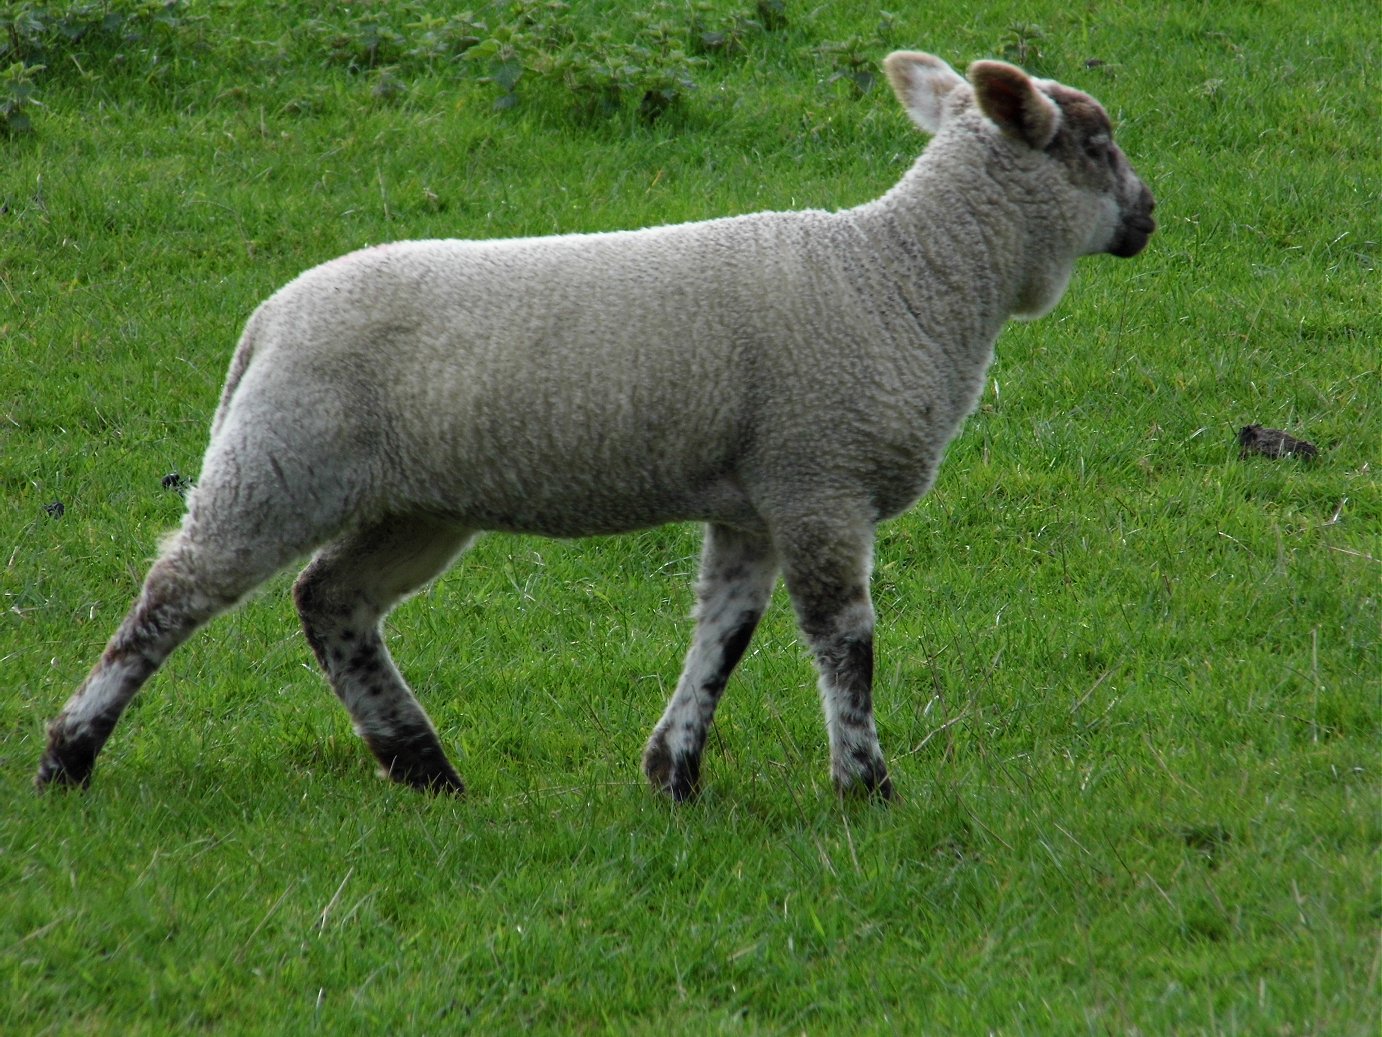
1083	146
1054	144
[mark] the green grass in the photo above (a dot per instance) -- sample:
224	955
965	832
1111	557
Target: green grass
1127	681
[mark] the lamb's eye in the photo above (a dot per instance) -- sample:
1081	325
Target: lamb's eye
1097	146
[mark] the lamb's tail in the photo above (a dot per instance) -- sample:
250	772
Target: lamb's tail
239	364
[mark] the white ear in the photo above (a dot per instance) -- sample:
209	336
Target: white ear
922	83
1008	96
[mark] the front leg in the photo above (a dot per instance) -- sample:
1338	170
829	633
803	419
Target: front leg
826	563
737	574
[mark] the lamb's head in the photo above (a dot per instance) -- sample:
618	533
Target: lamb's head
1059	138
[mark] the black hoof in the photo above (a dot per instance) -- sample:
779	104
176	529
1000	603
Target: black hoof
678	777
445	784
419	762
873	783
52	772
67	762
437	778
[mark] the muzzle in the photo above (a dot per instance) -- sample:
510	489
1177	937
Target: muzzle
1137	228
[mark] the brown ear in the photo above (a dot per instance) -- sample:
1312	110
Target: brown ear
1008	96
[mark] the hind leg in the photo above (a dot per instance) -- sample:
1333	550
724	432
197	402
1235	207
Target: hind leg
342	597
195	577
736	579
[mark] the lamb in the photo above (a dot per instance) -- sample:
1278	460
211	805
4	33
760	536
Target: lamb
789	379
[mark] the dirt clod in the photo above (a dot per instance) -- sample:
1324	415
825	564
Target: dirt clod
1273	442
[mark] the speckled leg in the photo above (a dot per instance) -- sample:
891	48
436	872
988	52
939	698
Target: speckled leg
197	575
826	565
342	597
736	579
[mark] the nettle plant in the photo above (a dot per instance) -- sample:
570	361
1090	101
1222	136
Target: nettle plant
606	77
38	39
854	60
16	96
646	66
603	73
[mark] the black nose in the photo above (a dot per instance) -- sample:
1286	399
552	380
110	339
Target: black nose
1143	221
1133	235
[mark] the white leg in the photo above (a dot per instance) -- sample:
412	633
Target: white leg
195	577
342	598
826	565
736	579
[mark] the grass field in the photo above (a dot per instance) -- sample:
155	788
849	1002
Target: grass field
1128	681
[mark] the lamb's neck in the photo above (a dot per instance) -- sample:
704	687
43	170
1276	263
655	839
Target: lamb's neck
957	243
